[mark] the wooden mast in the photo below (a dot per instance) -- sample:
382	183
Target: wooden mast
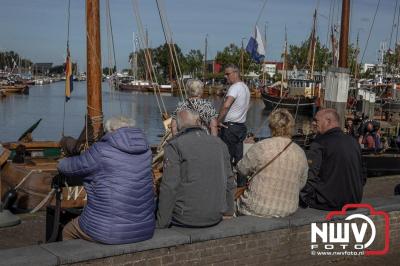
314	45
356	58
344	34
205	59
93	52
284	67
241	61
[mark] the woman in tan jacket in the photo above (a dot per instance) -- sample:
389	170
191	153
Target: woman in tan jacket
274	191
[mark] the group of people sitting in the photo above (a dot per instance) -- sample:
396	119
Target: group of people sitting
369	135
203	163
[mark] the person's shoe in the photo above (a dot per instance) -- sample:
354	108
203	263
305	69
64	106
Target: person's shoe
397	190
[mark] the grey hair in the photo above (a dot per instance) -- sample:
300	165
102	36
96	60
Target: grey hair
187	118
233	67
115	123
194	88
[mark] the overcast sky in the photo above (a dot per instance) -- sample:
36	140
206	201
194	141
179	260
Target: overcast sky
37	29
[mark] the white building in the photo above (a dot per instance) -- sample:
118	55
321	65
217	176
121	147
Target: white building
366	67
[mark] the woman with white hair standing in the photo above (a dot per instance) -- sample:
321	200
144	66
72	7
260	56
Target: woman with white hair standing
117	177
194	102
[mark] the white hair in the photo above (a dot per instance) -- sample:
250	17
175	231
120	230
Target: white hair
187	118
194	88
115	123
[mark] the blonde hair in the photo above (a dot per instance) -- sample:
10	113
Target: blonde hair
115	123
281	123
194	88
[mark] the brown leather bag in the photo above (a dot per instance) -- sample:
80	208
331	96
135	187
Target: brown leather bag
240	190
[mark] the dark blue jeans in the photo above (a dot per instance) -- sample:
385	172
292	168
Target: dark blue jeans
233	137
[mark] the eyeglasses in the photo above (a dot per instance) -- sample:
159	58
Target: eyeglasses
227	74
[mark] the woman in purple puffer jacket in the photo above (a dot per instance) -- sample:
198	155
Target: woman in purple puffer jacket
117	176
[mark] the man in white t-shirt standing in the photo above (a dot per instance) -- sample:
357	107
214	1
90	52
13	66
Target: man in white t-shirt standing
232	115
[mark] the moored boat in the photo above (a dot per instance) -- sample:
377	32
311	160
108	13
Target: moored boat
14	89
299	95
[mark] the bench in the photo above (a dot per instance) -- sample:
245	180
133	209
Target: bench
251	237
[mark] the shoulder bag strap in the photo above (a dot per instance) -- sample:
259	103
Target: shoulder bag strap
273	159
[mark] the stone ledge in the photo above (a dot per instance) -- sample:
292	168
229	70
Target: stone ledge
32	255
79	250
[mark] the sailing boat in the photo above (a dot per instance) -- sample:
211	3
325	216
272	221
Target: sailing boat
298	94
32	165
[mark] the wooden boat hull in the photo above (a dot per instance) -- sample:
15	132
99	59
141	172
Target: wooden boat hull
302	105
34	177
379	164
14	89
37	185
129	87
391	106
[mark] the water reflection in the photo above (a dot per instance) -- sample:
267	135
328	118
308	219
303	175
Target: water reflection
18	112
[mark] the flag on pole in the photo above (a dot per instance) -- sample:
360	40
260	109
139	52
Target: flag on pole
68	77
255	47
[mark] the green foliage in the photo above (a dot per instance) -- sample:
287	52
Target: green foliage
297	56
60	69
352	57
109	71
195	63
277	77
7	60
163	65
391	60
231	55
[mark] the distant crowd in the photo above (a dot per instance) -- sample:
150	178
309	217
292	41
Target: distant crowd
369	134
206	176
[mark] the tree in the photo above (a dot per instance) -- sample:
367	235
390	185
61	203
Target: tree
232	55
11	60
298	56
194	63
391	59
59	69
109	71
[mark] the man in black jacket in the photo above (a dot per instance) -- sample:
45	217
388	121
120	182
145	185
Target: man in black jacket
336	174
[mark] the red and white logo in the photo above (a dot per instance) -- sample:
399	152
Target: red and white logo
352	235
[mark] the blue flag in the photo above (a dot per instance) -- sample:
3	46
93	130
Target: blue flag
255	47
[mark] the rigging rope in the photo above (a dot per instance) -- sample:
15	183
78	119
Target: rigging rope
370	30
398	21
68	23
261	11
171	46
393	23
149	65
112	62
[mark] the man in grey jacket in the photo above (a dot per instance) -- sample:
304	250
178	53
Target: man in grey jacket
197	186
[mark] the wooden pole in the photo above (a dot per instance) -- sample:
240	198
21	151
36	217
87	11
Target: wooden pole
344	34
241	61
148	53
205	59
93	51
356	59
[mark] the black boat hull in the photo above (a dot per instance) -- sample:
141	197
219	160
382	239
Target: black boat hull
301	104
378	163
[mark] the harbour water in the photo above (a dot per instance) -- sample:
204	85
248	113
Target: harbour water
19	112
